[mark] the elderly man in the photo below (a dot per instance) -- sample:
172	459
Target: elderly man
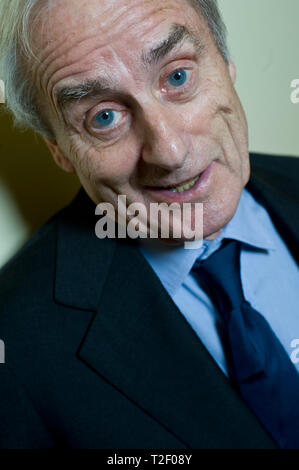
116	343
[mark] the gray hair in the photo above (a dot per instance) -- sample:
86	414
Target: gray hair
16	24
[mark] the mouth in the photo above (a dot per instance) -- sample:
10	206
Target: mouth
193	187
179	187
185	186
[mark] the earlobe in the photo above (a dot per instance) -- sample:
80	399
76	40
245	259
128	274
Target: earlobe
60	159
232	71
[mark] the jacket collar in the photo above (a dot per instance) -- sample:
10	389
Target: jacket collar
82	260
274	186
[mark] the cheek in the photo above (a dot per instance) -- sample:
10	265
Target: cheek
197	117
112	165
218	113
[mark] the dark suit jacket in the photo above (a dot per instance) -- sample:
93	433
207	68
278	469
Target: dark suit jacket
97	353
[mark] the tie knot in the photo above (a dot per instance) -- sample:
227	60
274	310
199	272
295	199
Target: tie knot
220	273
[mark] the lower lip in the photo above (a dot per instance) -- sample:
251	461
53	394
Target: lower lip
162	195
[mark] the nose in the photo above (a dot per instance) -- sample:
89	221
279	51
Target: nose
164	143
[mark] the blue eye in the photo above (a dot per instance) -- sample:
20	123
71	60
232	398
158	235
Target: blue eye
178	78
106	118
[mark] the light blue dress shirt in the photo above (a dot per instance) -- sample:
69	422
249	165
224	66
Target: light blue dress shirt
269	275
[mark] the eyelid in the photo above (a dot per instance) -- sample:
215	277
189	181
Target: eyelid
177	64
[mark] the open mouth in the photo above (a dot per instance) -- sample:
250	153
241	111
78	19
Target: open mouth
184	186
193	188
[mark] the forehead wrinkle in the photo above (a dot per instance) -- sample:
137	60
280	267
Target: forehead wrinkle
51	61
65	52
60	74
46	57
114	32
178	33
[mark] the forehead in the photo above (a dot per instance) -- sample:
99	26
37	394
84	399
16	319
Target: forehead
67	23
77	40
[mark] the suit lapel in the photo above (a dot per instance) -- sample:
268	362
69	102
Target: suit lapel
82	262
278	191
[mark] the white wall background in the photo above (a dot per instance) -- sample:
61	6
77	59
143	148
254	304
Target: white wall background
264	43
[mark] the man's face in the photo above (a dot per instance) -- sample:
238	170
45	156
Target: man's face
160	106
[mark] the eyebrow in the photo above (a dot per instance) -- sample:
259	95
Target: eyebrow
177	35
67	95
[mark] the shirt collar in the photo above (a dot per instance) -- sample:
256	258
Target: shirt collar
250	224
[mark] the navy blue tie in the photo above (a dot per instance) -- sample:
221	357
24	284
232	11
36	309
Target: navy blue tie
261	370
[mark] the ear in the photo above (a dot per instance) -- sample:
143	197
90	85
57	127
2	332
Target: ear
232	71
61	160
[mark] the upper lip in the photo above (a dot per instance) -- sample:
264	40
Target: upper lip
175	184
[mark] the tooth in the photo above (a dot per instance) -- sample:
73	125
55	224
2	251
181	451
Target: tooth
184	187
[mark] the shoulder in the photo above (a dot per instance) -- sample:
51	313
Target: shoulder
33	265
37	336
25	296
283	165
27	267
37	331
26	281
278	174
